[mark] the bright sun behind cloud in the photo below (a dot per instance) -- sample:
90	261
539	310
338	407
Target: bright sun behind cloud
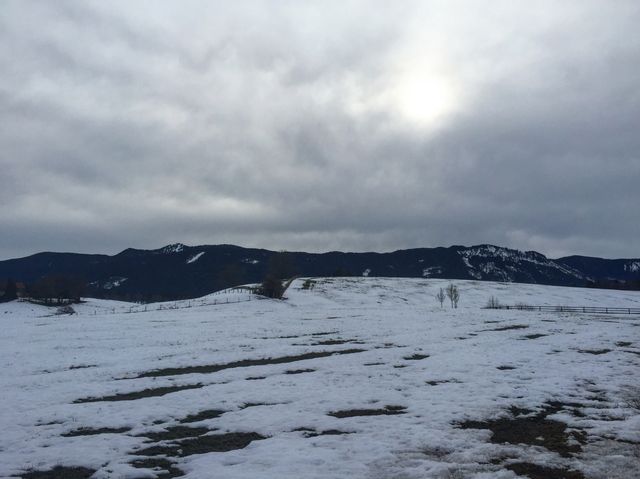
423	97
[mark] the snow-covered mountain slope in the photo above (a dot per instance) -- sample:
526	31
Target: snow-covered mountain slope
347	378
503	264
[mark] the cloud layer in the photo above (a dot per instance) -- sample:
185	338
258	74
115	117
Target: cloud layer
320	125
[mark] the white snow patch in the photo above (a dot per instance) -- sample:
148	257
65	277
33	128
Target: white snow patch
195	257
366	272
113	283
428	272
633	266
173	248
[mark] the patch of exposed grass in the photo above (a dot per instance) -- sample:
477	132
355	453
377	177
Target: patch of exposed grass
534	471
416	357
163	468
386	411
212	368
508	328
533	430
594	351
145	393
87	431
203	444
442	381
173	433
333	342
60	472
329	432
533	336
202	416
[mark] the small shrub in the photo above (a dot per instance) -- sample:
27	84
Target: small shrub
308	284
62	310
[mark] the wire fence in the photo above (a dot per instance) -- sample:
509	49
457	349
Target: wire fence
569	309
209	300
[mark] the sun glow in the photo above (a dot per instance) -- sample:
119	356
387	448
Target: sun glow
423	98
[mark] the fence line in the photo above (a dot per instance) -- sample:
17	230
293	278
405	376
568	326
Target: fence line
183	304
570	309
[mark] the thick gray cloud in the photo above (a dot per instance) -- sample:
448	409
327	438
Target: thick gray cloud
320	125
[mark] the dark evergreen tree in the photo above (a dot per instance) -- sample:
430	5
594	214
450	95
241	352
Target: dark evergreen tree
281	265
10	291
272	287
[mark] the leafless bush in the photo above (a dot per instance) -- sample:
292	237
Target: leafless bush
493	303
453	294
441	296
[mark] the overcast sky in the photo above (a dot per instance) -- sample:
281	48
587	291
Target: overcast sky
320	125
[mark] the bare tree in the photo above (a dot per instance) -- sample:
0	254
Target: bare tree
493	303
441	296
453	294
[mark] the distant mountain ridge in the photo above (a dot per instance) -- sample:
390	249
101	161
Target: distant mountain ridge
179	271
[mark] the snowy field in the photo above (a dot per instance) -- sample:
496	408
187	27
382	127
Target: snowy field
352	378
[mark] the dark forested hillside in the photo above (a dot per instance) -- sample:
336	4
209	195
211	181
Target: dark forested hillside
179	271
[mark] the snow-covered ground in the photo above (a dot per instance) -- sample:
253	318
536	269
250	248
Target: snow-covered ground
394	403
